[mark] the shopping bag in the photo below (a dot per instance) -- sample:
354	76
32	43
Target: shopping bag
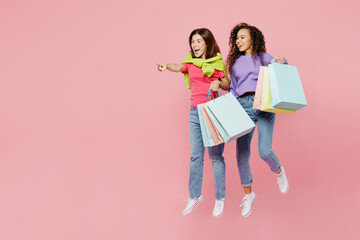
257	98
205	131
286	88
209	134
213	131
266	97
229	117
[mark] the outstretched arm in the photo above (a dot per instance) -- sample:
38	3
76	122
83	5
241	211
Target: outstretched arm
171	67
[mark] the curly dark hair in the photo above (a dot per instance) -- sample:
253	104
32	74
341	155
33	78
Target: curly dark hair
258	45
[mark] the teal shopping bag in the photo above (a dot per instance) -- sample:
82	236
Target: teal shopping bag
205	131
286	88
229	117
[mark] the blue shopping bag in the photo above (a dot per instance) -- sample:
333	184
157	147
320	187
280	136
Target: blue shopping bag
266	98
208	140
205	131
286	88
229	117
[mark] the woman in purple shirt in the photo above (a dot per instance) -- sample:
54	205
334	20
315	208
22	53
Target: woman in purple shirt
247	54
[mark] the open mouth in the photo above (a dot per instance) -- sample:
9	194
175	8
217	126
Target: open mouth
196	51
240	45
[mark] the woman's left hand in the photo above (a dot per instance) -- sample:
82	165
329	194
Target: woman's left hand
214	86
280	59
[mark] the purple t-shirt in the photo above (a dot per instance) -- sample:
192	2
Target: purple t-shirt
245	73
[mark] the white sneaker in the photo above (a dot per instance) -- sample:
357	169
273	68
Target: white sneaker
219	207
247	202
191	204
282	181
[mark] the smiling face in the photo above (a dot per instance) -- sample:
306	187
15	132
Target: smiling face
198	46
244	41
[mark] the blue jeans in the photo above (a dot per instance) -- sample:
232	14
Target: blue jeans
265	124
197	160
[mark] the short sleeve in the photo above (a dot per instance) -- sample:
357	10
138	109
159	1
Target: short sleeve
267	59
221	74
186	67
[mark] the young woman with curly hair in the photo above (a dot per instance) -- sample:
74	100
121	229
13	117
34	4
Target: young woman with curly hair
204	69
247	54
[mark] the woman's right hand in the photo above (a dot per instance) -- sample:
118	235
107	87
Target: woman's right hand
214	86
161	67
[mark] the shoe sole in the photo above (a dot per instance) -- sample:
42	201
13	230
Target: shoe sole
219	214
248	214
192	208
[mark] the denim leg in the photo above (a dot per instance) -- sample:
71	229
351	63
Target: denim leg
243	157
197	155
218	164
243	143
265	124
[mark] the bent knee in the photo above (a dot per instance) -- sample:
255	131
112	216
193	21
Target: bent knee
266	154
216	158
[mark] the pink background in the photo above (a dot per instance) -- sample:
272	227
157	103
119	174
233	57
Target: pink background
94	140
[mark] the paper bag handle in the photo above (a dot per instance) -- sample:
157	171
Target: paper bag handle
210	94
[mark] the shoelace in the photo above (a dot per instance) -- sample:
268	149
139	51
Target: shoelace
187	200
218	203
244	200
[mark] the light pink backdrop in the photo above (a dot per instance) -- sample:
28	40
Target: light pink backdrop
94	141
